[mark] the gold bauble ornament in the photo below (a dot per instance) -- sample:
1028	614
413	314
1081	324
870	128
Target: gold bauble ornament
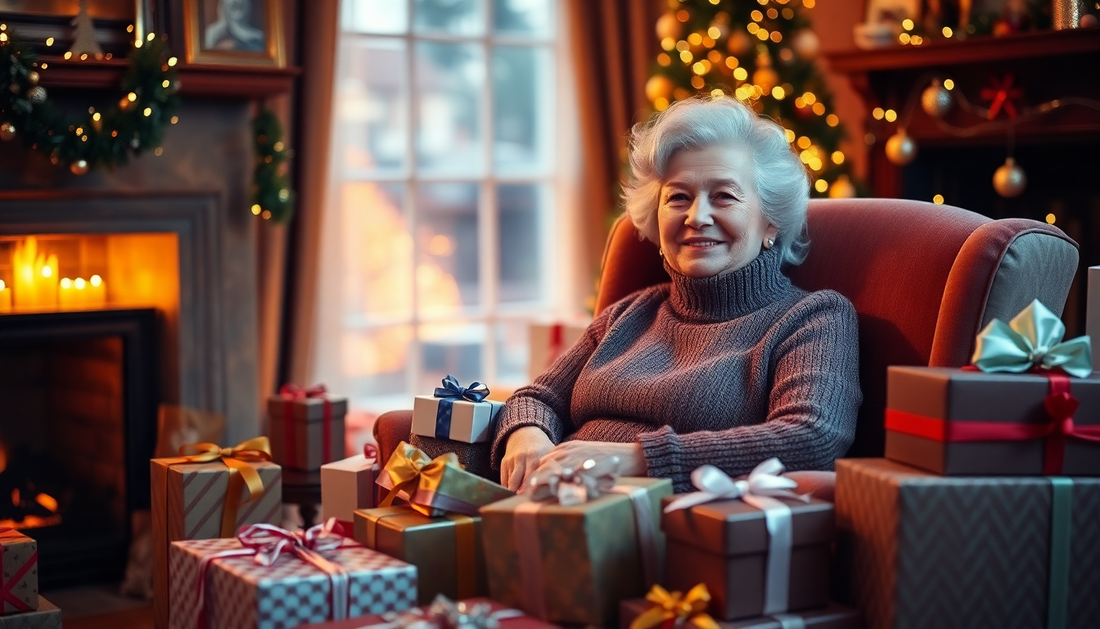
806	44
1009	180
935	100
79	167
669	26
37	95
658	86
842	188
32	77
900	148
738	43
766	78
7	131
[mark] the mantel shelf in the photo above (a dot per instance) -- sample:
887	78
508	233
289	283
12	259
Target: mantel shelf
970	51
207	81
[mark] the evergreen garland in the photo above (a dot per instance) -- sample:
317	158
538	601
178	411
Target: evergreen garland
107	138
272	194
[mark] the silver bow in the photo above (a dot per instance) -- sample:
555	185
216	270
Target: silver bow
444	613
713	484
1032	339
574	486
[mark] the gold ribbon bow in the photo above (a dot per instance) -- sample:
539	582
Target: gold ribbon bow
237	459
689	609
409	469
1033	339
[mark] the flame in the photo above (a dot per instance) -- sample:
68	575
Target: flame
47	501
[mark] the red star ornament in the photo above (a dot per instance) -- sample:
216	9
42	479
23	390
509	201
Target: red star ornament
1001	95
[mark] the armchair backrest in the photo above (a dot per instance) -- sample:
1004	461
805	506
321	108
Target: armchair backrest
923	278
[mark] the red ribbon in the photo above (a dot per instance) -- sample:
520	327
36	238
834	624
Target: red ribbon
370	451
292	392
265	542
1060	406
9	585
1001	95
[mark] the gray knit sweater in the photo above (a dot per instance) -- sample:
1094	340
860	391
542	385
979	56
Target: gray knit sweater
727	370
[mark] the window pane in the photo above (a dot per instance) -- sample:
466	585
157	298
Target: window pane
449	79
521	102
372	106
450	349
512	353
524	17
377	252
447	249
454	17
374	16
375	364
521	242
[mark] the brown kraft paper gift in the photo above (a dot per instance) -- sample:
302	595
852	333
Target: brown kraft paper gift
926	404
724	544
446	550
832	617
188	502
917	550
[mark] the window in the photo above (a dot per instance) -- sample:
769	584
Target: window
442	232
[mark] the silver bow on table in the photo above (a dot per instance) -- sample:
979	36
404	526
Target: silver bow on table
571	486
1032	339
444	613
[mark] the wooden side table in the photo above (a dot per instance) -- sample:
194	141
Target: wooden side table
303	489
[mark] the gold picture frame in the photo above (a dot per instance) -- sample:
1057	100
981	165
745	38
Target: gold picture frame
234	32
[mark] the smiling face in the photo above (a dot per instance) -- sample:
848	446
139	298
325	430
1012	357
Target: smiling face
709	217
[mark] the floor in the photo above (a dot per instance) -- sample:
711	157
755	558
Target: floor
100	607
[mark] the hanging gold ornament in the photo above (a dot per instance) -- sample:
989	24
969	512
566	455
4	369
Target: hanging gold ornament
842	188
669	26
900	148
658	86
806	44
7	131
37	95
738	43
935	100
32	77
79	167
1009	180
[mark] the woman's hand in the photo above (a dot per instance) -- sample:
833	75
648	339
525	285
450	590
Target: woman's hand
522	456
573	454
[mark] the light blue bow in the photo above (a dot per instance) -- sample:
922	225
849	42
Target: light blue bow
1032	339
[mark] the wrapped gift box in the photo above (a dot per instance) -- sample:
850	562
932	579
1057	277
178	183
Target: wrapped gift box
724	544
587	555
20	563
917	550
446	550
831	617
242	594
46	615
438	485
347	486
306	432
468	422
188	503
507	620
930	410
548	341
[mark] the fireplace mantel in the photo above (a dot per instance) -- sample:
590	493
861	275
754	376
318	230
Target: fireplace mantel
195	80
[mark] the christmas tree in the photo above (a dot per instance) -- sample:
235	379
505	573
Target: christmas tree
84	42
762	52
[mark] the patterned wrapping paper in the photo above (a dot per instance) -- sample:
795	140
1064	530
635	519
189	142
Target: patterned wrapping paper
589	551
724	544
188	501
926	397
367	622
347	486
46	616
241	594
20	563
308	430
916	550
832	617
446	550
435	486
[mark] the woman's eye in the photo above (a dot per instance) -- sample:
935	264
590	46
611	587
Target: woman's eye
725	196
677	197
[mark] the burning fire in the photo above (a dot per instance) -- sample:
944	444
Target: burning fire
41	503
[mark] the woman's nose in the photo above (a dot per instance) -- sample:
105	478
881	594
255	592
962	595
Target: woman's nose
701	213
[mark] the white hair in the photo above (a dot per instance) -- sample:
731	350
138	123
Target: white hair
782	183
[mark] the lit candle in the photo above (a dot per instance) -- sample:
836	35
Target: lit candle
5	297
23	281
80	292
47	283
66	296
97	292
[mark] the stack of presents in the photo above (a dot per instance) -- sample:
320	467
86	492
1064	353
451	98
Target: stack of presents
983	514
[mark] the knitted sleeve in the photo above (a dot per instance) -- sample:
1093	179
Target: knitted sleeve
545	402
812	406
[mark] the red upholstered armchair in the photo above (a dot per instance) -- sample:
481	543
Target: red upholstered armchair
924	279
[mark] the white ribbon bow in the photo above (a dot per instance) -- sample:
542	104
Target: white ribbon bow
713	484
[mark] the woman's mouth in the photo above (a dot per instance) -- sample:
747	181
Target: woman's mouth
701	243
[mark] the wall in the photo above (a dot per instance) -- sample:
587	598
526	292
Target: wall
833	21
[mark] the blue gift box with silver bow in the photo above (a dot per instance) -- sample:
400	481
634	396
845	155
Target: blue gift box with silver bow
456	412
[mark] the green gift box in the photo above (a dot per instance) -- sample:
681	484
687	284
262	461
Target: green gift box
435	486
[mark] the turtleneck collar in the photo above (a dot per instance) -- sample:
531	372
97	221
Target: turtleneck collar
730	295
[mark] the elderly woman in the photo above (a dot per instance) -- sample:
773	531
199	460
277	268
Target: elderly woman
729	363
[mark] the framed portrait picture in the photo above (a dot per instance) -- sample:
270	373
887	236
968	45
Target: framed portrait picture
892	11
234	32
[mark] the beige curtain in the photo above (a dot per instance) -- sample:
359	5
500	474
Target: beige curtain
613	44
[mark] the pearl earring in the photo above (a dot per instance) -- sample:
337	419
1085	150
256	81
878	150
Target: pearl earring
769	243
661	252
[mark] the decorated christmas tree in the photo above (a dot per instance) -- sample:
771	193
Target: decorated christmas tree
763	52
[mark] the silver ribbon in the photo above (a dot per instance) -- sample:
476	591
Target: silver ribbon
444	613
646	526
568	486
764	484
